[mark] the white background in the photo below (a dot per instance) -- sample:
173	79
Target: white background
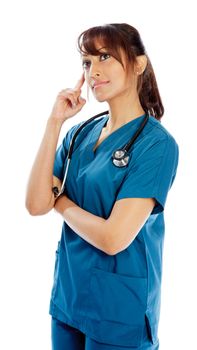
38	59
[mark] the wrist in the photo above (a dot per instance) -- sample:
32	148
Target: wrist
54	122
62	203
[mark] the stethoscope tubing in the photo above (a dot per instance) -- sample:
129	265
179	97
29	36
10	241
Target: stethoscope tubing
70	151
120	161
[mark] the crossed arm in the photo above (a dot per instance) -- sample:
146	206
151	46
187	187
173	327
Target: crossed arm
110	235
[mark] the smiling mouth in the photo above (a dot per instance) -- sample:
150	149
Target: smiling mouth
100	84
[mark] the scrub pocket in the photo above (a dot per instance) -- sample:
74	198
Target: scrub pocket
152	329
116	308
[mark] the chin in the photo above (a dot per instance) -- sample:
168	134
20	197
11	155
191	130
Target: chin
103	98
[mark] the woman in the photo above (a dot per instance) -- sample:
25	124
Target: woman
107	279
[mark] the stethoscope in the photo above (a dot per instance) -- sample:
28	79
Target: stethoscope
120	157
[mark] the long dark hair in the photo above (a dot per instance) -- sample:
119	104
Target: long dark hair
118	36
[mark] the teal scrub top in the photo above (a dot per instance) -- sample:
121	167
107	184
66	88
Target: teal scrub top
111	298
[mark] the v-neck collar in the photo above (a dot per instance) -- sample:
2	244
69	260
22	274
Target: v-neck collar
98	128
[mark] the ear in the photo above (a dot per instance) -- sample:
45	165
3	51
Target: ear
141	64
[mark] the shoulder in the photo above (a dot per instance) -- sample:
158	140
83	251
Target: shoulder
159	135
163	144
157	130
155	143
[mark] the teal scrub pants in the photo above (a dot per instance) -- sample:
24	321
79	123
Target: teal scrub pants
65	337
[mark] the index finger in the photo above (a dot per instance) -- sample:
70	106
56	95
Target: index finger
80	82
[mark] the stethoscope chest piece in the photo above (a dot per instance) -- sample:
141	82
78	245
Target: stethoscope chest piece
120	158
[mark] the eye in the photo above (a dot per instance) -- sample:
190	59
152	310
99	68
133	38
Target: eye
105	56
86	64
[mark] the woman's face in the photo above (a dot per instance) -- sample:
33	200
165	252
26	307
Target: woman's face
106	76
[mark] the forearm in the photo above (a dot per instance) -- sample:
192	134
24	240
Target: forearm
88	226
39	196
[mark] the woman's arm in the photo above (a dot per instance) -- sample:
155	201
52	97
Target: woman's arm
39	197
113	234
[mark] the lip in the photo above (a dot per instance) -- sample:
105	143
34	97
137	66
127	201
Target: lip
100	83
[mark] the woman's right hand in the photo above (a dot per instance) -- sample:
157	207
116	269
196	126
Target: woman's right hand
68	102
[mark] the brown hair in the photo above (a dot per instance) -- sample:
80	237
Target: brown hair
118	36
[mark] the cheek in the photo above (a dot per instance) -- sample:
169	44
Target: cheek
118	75
120	81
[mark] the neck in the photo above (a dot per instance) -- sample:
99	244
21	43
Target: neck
122	110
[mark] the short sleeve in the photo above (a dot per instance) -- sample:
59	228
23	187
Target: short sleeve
62	152
152	173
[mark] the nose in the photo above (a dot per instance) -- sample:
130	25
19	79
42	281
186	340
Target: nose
94	70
